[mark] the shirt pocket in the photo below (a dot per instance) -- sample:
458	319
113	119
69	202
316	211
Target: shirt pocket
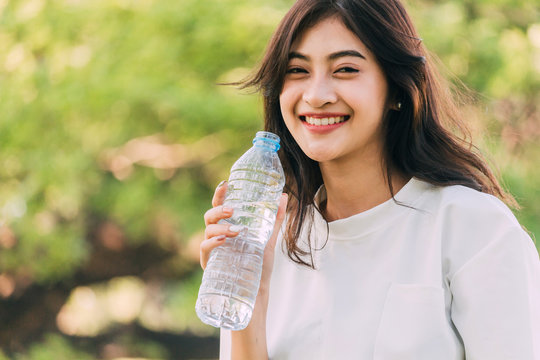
414	326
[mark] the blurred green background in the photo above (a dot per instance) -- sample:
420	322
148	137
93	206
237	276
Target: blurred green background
114	135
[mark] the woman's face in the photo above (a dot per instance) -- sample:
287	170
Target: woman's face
334	95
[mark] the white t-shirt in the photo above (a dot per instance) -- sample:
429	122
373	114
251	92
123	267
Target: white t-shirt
453	276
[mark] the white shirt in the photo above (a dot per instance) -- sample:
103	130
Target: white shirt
453	276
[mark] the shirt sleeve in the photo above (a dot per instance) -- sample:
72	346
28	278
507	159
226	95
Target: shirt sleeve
496	299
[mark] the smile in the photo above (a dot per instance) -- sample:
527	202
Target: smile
325	120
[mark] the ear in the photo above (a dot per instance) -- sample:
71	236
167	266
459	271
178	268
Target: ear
395	105
394	101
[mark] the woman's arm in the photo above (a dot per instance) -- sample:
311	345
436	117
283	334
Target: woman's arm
496	299
250	343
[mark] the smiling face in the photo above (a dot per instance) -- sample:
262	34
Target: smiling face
334	95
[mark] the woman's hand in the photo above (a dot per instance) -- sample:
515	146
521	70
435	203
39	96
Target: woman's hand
215	234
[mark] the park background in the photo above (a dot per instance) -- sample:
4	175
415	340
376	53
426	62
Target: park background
114	134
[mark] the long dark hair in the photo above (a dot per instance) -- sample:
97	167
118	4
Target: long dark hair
419	139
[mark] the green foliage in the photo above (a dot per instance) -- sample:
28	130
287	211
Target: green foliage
53	347
181	302
82	78
494	48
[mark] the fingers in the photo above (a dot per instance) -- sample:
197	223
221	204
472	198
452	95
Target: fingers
217	213
219	194
213	230
215	235
208	245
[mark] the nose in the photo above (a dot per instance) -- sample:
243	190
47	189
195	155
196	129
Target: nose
319	92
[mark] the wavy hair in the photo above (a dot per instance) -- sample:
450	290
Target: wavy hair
419	139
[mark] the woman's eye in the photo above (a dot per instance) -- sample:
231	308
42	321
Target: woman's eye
296	70
346	69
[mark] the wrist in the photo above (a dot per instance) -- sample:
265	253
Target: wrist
250	343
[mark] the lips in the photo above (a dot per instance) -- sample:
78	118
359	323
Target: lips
324	120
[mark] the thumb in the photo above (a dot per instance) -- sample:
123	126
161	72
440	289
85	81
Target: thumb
282	210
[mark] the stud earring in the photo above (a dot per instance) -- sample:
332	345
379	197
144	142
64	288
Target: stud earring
399	105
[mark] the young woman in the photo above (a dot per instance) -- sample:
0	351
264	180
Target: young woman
395	243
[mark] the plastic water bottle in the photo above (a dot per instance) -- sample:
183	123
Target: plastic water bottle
231	279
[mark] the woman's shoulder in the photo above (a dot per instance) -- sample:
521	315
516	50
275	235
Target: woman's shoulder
471	223
466	205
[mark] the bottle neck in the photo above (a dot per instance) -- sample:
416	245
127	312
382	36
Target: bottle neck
267	140
267	145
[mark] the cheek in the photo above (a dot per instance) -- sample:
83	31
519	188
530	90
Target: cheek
285	107
282	104
288	100
288	119
367	99
380	90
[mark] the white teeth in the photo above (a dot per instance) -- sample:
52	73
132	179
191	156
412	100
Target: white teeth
324	121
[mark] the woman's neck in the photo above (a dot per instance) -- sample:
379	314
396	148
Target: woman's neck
352	188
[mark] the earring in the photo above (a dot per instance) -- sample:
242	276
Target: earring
399	105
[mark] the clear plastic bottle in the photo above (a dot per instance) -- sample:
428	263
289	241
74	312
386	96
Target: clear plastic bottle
231	279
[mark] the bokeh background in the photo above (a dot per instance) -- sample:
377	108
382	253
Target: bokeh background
114	134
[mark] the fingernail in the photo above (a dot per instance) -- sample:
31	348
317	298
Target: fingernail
222	183
237	228
220	237
227	210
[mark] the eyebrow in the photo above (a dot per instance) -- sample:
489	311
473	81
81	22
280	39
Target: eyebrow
333	56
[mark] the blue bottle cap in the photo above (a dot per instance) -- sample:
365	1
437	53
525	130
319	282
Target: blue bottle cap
267	138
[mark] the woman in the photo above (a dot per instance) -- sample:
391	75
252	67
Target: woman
395	244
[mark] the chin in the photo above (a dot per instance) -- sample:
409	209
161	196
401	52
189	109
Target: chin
319	156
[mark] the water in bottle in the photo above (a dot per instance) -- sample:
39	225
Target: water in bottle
231	279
